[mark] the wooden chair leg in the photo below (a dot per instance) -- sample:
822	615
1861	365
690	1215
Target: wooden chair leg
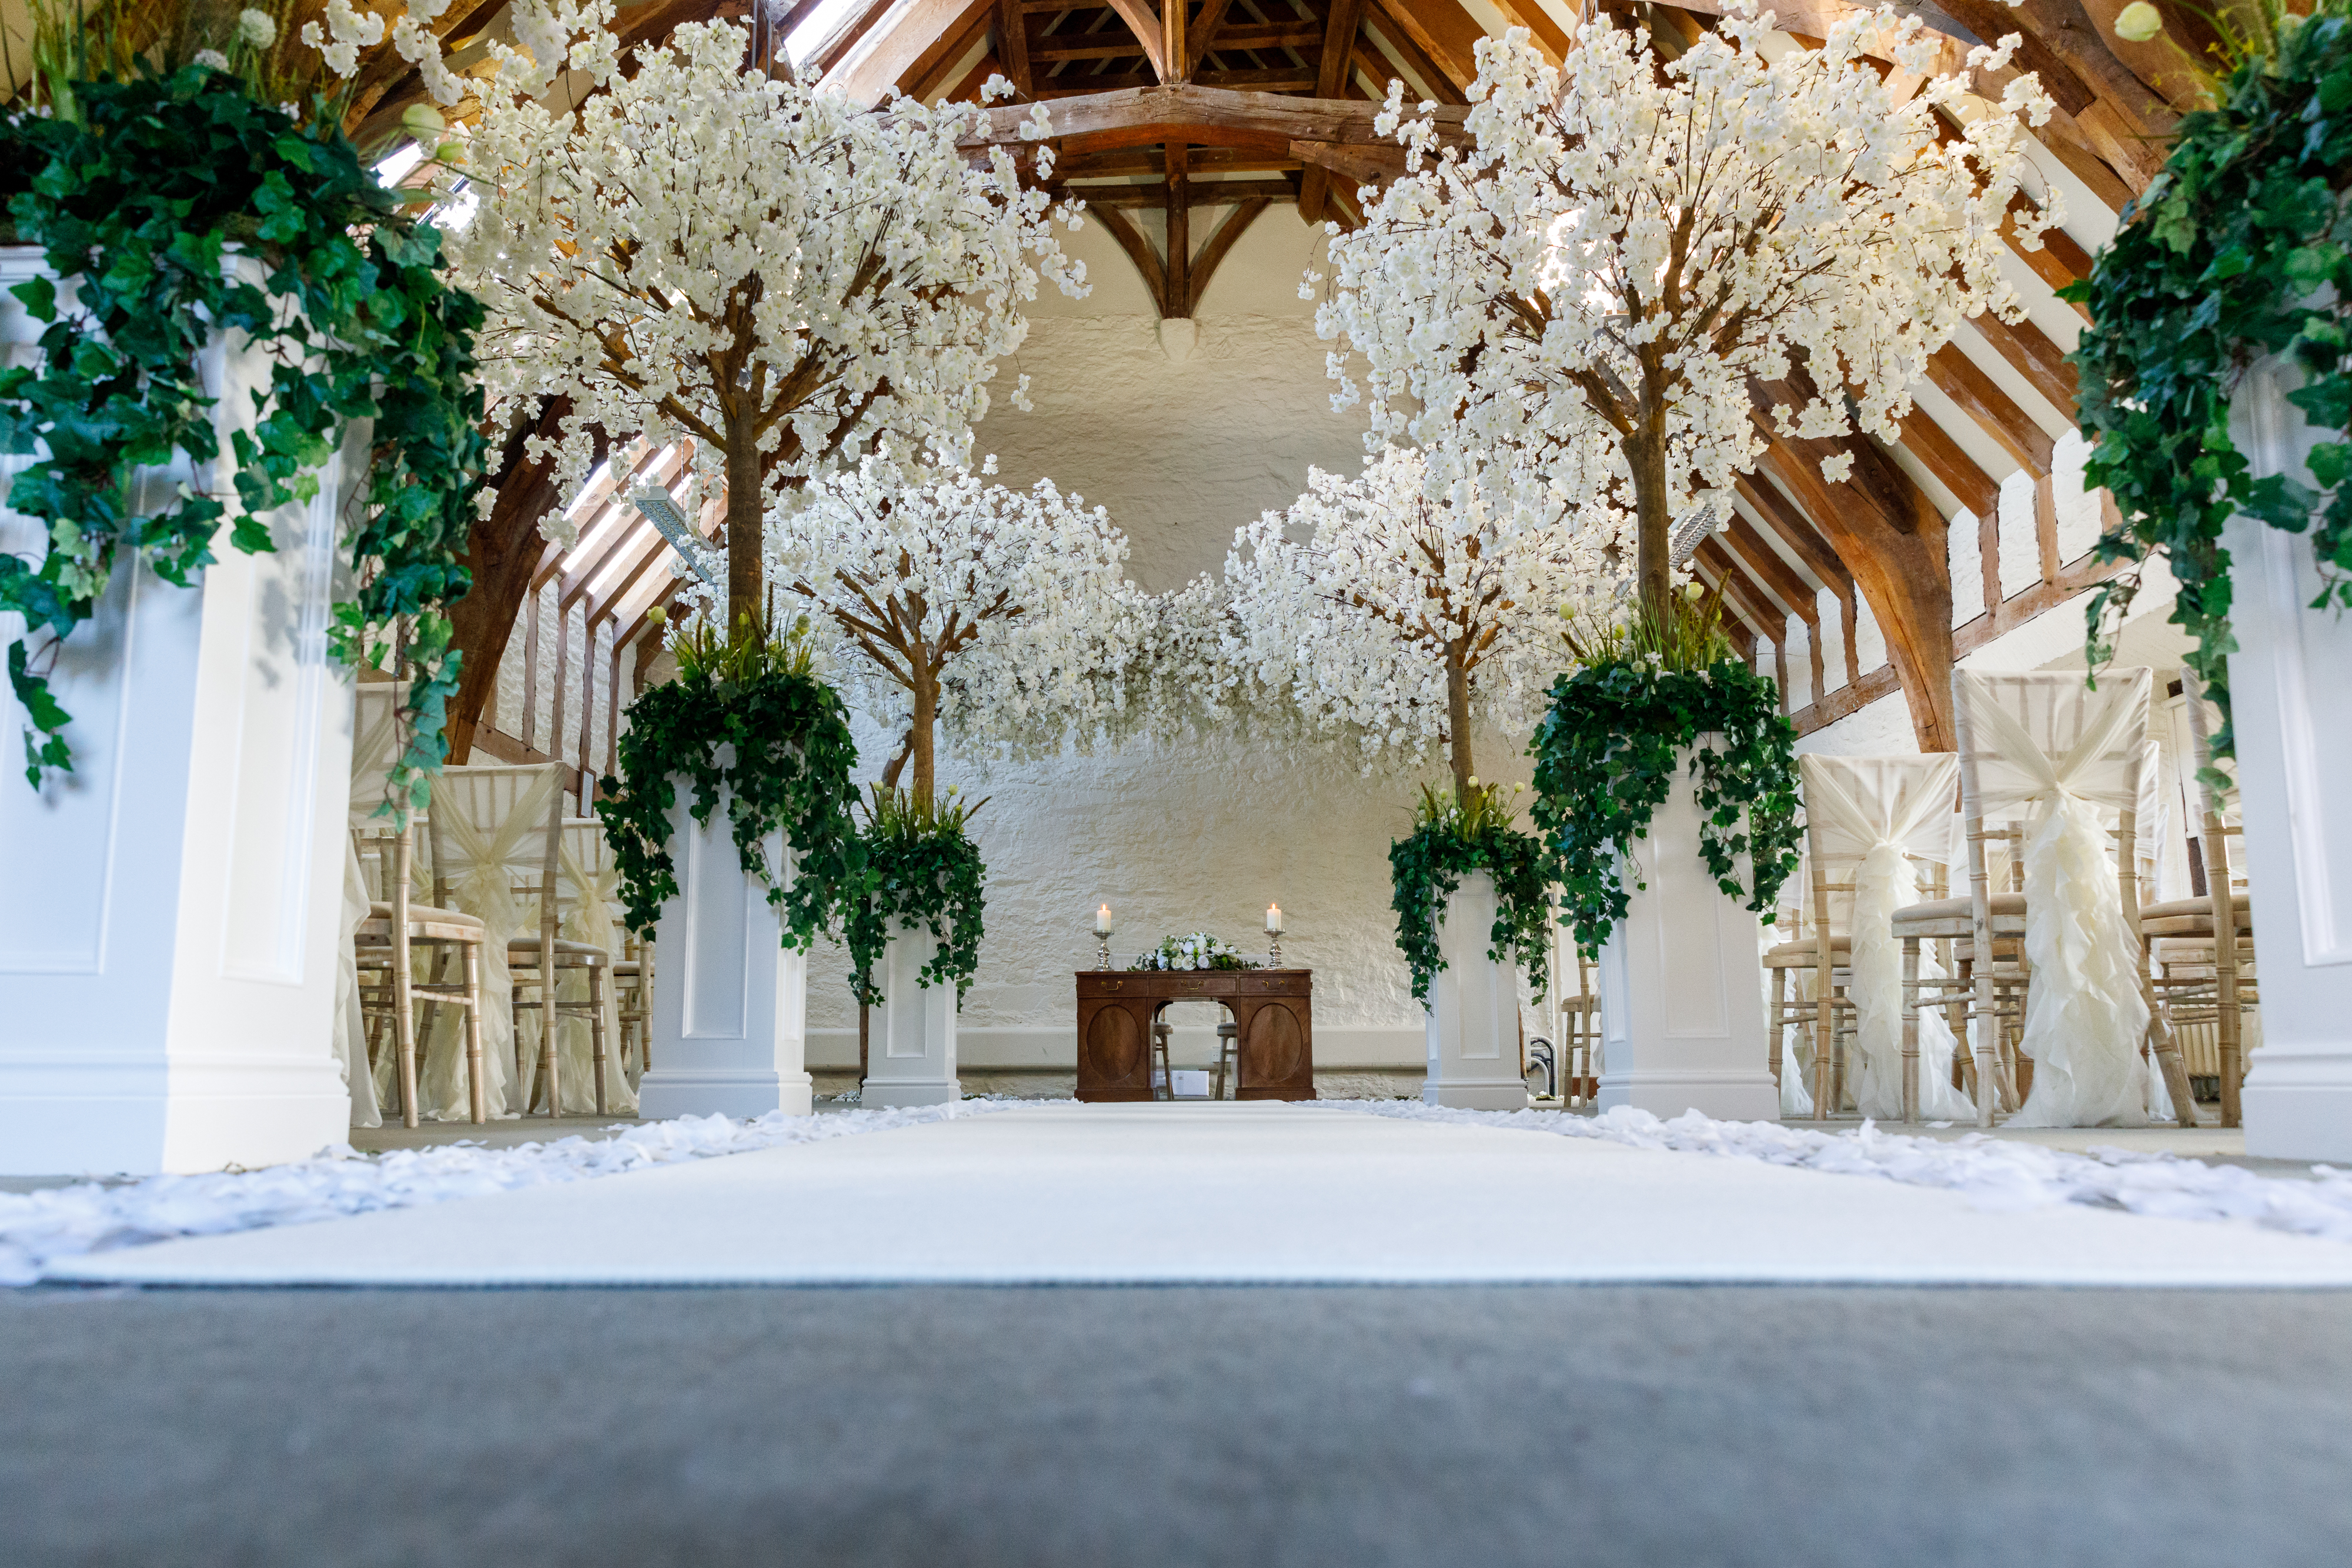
548	1054
404	1024
596	1032
1910	1029
477	1092
2168	1058
1780	1019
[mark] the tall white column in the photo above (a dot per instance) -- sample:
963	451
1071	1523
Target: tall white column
1682	987
1473	1010
911	1046
168	911
2287	685
730	1005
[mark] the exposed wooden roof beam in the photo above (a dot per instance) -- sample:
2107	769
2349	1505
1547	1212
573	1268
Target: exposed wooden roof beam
1138	251
1443	31
1957	377
1399	41
1951	463
2032	354
1142	19
1208	32
1197	194
1206	115
1766	565
1795	529
1332	76
1204	266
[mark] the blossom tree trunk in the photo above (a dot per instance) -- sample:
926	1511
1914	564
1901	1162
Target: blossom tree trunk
1457	718
746	586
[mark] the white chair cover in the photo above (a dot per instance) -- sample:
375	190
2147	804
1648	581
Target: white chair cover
1871	812
2062	757
350	1021
490	822
375	735
593	884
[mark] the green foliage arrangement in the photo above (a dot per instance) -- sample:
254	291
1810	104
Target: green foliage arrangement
921	871
139	199
1194	950
748	717
1453	834
2242	248
1605	762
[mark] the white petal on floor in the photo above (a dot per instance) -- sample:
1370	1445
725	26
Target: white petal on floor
1258	1193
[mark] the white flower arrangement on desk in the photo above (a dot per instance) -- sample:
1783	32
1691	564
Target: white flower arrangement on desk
1199	950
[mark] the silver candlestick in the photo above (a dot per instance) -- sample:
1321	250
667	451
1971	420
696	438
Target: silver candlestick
1102	953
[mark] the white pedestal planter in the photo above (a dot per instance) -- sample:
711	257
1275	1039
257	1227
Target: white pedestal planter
730	1005
168	936
1682	988
911	1047
2287	686
1473	1010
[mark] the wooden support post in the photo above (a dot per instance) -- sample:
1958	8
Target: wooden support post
1179	260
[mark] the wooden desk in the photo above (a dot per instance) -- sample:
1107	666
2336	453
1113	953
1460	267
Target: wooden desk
1272	1008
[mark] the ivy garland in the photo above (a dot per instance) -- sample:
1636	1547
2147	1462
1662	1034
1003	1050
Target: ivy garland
1427	866
1605	762
786	770
920	875
139	199
2241	248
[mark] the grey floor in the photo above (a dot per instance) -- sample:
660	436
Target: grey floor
706	1428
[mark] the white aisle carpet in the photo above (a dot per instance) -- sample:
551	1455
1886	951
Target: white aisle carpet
1255	1193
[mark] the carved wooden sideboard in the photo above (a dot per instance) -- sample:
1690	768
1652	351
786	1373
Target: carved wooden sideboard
1273	1014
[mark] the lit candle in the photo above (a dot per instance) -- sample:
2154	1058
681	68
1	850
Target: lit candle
1274	920
1102	921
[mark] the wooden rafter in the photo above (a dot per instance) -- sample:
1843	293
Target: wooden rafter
1338	46
1960	378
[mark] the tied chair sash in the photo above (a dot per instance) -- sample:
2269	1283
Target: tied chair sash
593	917
481	875
2084	1013
1876	814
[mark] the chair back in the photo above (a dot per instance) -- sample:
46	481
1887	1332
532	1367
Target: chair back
492	828
1854	805
375	747
2025	739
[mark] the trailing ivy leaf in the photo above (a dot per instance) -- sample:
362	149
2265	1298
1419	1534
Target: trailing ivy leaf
139	197
2237	250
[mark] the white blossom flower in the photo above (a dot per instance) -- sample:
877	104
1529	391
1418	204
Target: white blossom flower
211	60
256	29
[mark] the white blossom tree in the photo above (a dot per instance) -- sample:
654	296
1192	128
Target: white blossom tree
1003	615
706	249
1374	610
1586	289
